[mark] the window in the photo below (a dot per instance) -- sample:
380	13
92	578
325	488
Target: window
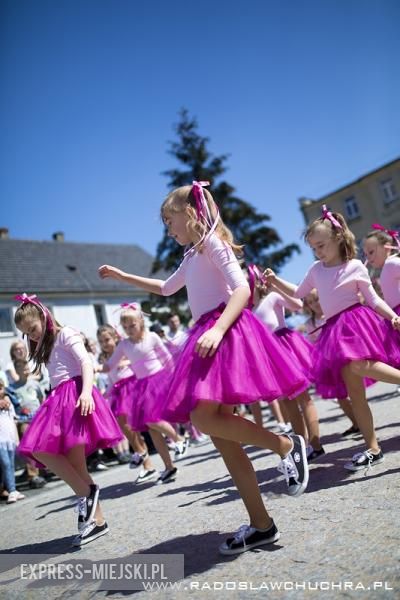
6	326
351	208
389	191
99	312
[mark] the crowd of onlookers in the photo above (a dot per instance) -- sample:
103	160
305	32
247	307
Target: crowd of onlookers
21	393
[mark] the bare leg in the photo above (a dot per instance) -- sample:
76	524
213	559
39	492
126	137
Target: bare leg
347	408
375	370
135	440
167	429
296	417
161	447
276	411
242	472
256	412
311	418
210	418
361	409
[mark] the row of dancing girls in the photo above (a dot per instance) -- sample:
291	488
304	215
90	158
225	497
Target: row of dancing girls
74	420
139	398
355	343
229	358
269	306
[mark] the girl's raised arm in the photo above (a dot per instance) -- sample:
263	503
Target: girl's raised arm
145	283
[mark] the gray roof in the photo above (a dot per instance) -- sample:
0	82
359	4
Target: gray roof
61	267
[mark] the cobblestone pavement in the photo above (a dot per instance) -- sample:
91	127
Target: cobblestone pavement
339	540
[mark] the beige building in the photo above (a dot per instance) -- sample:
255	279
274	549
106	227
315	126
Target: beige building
372	198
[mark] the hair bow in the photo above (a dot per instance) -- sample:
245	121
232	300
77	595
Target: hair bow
392	232
326	214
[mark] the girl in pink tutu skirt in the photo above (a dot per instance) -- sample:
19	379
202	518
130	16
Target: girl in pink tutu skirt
230	357
270	309
351	345
74	420
144	393
118	394
382	249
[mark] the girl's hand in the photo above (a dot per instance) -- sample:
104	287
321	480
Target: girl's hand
109	271
5	403
396	323
87	405
270	276
208	343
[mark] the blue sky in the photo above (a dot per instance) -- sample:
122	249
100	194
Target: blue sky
303	95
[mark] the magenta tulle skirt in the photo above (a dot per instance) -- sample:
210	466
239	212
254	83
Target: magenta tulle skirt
392	340
299	348
249	365
121	396
149	396
58	425
353	334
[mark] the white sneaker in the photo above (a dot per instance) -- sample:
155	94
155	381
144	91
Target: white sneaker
284	427
181	448
14	496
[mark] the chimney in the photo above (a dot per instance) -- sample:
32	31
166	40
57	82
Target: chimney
58	236
4	233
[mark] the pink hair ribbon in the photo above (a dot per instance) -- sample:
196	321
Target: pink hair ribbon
33	299
392	232
133	306
203	211
254	276
326	214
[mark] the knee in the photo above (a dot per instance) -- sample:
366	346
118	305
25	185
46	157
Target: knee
357	367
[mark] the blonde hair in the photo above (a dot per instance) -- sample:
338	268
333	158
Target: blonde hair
384	239
128	313
344	237
182	199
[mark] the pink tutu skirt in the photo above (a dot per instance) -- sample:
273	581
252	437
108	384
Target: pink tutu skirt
392	340
121	396
353	334
249	365
149	396
58	425
299	348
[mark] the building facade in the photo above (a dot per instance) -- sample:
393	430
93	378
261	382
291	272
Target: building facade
64	276
372	198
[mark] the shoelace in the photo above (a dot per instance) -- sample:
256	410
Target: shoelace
80	507
241	533
288	468
368	455
88	528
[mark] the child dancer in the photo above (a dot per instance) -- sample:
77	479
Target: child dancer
351	344
229	357
270	308
74	420
382	248
151	364
313	328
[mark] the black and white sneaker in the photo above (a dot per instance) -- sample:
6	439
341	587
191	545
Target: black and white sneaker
86	507
146	475
364	460
248	537
295	467
91	532
167	475
181	448
314	454
137	459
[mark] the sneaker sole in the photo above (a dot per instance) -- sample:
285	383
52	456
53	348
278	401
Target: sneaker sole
148	478
230	552
353	468
78	542
303	485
